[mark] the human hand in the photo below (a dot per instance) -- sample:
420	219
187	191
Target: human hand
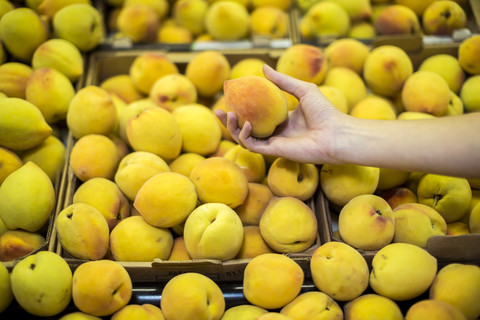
308	134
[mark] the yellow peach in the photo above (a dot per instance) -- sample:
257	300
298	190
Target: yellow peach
166	199
219	179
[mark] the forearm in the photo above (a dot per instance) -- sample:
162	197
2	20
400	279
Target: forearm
449	146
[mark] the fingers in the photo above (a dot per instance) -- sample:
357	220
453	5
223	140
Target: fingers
222	116
285	82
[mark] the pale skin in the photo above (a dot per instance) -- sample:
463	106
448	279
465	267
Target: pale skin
317	132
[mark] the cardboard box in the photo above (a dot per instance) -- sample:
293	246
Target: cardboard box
161	271
103	64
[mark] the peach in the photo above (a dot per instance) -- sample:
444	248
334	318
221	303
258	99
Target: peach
247	67
274	316
290	178
172	91
135	169
85	154
386	68
282	4
82	231
313	305
101	287
366	222
149	66
28	198
10	162
305	62
179	250
285	232
391	178
402	271
243	311
458	284
450	196
448	67
155	130
138	22
474	220
374	107
433	309
457	228
42	284
204	296
347	52
51	91
360	10
199	127
339	271
325	20
269	21
161	7
468	52
123	86
134	311
15	244
443	17
208	70
258	197
61	55
258	101
397	19
219	179
417	6
106	197
373	305
223	148
134	239
455	105
49	156
207	229
468	94
185	162
91	111
129	112
341	183
348	82
166	199
5	288
253	243
398	195
426	91
252	163
227	21
13	78
272	280
190	14
415	223
362	30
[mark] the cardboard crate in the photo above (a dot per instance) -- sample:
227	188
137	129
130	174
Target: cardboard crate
115	41
406	42
161	271
103	64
